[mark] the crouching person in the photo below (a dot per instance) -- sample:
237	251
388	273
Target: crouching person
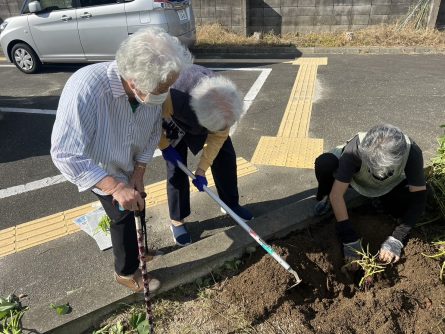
198	117
382	163
107	128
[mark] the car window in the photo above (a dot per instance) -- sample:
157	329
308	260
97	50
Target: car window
50	5
88	3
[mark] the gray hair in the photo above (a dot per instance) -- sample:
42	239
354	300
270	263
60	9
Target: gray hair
383	149
216	102
150	56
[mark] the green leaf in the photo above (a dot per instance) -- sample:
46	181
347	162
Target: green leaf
144	327
61	309
6	305
136	319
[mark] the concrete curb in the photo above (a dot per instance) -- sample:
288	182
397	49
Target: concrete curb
187	264
289	52
292	52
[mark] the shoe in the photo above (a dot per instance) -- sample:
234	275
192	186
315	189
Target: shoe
181	235
322	207
152	254
243	213
136	283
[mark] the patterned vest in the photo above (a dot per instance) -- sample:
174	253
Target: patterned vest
366	184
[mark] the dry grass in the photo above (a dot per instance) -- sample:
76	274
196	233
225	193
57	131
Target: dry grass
382	35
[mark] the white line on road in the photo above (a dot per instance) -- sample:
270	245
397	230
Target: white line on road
253	91
46	182
7	65
49	181
29	111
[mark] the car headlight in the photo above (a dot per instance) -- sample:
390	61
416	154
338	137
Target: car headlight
3	26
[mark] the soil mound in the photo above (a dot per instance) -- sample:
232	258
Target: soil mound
406	298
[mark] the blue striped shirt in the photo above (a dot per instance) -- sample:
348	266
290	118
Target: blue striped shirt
96	132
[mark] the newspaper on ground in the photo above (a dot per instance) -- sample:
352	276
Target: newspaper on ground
89	223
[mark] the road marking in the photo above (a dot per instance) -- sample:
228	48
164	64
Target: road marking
29	111
39	231
292	147
253	91
2	58
46	182
43	183
7	65
49	181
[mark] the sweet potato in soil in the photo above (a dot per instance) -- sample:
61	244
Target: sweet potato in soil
406	298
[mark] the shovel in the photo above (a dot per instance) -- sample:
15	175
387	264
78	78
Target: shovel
245	227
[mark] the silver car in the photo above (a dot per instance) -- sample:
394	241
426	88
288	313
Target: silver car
77	31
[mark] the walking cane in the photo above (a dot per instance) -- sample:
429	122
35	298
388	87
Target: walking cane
142	237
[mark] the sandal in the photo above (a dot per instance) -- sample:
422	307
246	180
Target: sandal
181	235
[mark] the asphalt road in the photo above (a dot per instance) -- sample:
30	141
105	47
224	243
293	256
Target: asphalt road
352	94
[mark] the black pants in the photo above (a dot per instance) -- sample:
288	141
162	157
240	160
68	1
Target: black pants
326	165
123	237
224	174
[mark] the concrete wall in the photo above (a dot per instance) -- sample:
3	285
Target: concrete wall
9	8
282	16
322	15
229	13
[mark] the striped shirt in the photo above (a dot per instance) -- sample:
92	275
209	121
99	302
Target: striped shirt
96	132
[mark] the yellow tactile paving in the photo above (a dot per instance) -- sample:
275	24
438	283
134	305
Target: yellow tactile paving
296	122
311	61
39	231
303	152
288	152
292	147
157	192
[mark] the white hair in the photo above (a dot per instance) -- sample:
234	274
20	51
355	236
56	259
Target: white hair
383	149
150	56
216	102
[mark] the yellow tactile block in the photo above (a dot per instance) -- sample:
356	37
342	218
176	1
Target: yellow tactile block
296	120
157	192
39	231
311	61
288	152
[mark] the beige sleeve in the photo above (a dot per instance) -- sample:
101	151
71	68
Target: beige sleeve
213	144
167	112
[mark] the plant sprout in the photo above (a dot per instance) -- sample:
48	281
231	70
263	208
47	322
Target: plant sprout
438	255
104	225
370	266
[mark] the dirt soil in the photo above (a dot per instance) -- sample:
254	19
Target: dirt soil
406	298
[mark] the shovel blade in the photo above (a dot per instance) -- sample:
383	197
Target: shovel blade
297	279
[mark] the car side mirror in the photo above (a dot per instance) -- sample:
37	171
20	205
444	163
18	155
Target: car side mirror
34	7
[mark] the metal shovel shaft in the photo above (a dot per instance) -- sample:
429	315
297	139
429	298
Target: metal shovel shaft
245	227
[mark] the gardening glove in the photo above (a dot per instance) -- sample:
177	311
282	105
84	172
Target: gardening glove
171	155
199	182
390	250
350	254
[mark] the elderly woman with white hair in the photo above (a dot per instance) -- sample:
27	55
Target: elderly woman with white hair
382	163
198	117
107	128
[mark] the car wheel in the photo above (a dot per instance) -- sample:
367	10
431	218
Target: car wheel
25	58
